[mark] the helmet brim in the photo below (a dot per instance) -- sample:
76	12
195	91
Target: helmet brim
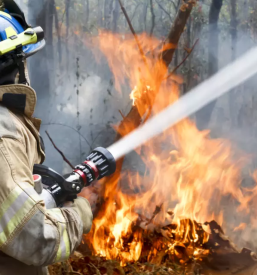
31	49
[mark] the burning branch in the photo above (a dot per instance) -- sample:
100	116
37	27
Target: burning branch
177	29
134	119
60	152
156	212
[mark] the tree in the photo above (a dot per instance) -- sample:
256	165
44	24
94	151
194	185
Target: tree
116	13
233	28
40	67
204	116
144	16
176	30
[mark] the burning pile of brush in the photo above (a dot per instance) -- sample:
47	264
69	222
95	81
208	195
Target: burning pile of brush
166	252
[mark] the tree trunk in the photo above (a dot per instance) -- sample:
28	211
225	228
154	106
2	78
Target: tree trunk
59	43
109	15
86	13
189	75
105	11
253	21
100	16
204	115
177	30
116	14
38	64
144	16
197	27
153	17
233	28
67	8
49	40
233	33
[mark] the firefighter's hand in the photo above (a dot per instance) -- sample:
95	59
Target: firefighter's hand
91	194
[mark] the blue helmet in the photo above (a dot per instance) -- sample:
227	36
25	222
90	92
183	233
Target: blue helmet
14	27
15	18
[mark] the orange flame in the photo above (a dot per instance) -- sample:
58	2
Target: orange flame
186	174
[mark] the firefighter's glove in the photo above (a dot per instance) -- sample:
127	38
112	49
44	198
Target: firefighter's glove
82	207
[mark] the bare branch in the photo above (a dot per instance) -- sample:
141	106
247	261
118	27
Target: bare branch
136	9
175	6
123	116
162	8
60	152
184	60
133	32
64	125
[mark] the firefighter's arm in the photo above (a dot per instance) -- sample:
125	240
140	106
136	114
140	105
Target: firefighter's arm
29	232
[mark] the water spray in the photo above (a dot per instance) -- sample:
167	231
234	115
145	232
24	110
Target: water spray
222	82
102	162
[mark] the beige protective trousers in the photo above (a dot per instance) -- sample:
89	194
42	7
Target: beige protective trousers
31	237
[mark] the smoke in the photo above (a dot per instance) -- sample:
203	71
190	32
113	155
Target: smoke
234	115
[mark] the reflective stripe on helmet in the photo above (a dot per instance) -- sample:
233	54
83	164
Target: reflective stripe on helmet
10	32
63	252
5	14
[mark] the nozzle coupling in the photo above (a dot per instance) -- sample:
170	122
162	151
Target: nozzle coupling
100	163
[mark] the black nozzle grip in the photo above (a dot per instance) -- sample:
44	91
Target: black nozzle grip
104	162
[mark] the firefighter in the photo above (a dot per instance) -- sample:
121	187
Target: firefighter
31	236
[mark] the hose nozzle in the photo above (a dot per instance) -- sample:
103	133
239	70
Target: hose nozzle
100	163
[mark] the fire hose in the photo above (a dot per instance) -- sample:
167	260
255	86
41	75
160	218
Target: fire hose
55	189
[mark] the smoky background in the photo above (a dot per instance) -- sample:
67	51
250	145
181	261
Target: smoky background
77	100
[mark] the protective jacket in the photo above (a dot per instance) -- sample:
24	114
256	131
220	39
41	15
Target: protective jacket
31	236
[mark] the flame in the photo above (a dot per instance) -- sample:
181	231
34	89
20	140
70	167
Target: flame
186	174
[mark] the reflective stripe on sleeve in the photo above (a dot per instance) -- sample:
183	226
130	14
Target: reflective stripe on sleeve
63	252
13	211
29	189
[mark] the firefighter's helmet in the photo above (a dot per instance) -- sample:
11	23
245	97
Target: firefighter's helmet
18	41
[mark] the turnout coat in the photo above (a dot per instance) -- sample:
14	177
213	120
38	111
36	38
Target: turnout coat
31	236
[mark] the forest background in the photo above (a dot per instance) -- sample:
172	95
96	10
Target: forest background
77	100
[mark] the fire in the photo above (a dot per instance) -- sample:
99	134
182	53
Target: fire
186	174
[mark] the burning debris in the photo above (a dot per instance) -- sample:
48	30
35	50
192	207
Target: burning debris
206	250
